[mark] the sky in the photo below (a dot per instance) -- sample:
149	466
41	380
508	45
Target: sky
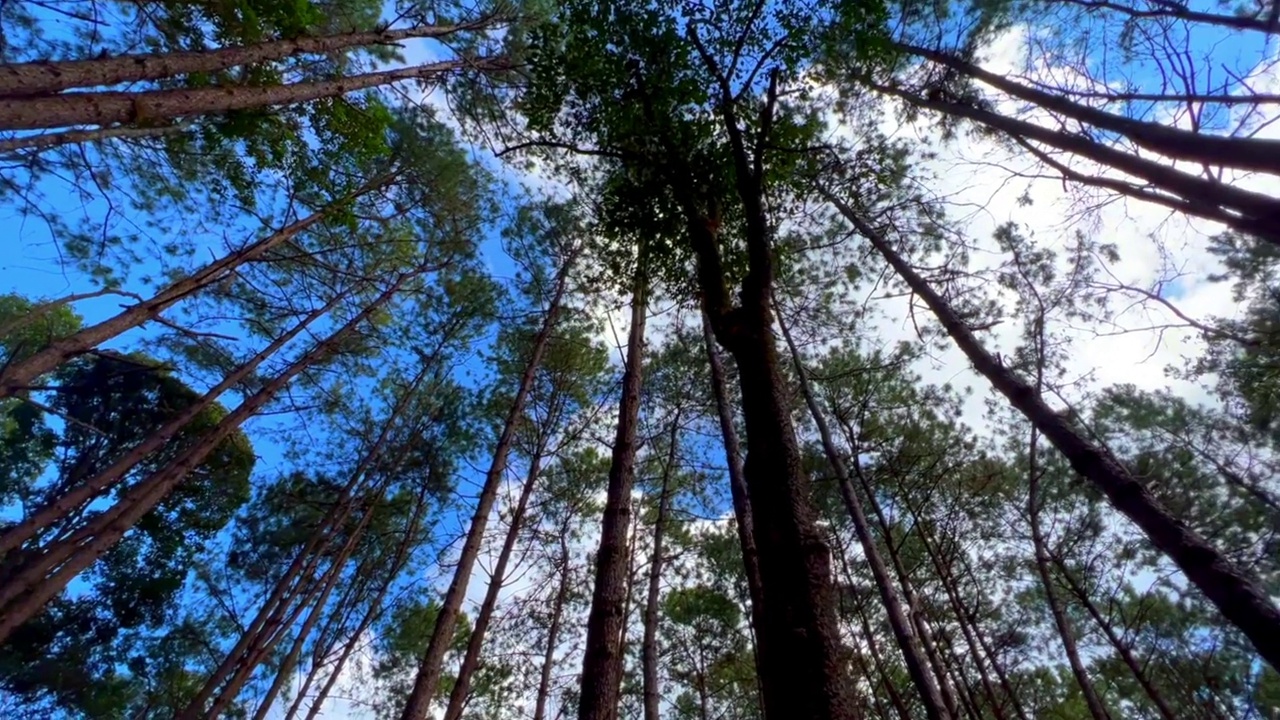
973	171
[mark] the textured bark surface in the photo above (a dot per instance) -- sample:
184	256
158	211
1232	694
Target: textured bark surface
602	658
112	108
38	78
738	492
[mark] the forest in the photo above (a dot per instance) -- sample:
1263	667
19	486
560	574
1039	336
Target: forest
640	359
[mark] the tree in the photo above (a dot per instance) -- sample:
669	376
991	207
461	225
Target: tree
88	652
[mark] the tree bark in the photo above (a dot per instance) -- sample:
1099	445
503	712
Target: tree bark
1238	208
428	677
1250	154
46	77
1240	600
126	108
602	658
935	705
68	502
375	607
649	648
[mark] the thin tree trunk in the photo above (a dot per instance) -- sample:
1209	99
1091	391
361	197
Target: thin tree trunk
602	658
1240	600
462	686
45	575
920	622
970	616
375	605
291	659
1122	648
429	671
327	638
129	108
738	493
278	628
935	704
1060	621
972	633
553	634
873	646
47	77
54	139
16	377
649	657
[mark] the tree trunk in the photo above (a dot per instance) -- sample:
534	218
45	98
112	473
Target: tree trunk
553	634
54	139
602	658
428	677
47	77
471	661
1122	648
295	652
1240	600
126	108
45	575
738	492
873	646
375	605
16	377
1244	153
969	616
936	708
276	631
1238	208
972	633
649	658
67	503
1060	621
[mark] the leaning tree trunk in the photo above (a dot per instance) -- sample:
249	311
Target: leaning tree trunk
1236	207
553	632
602	658
1238	597
46	77
935	705
429	671
374	608
134	108
1244	153
1121	647
1060	621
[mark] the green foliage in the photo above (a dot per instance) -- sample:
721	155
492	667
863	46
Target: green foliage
84	653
